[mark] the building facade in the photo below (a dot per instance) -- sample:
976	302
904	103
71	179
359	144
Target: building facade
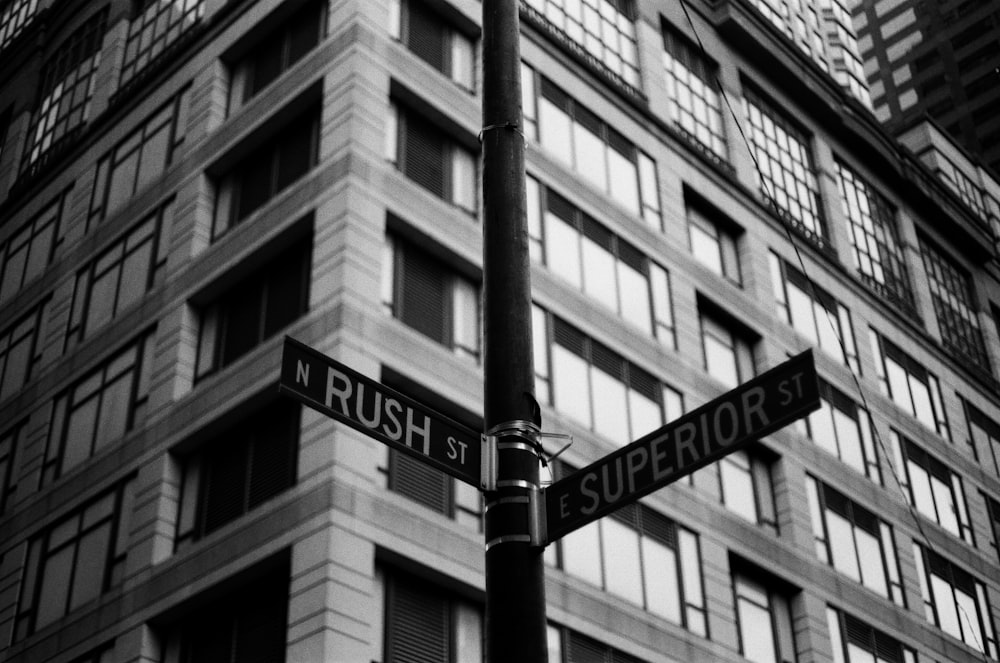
938	59
185	182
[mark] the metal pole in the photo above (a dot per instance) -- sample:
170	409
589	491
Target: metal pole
515	591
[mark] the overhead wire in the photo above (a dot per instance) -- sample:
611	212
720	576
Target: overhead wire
786	227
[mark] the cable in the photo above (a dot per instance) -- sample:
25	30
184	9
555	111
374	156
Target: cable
830	320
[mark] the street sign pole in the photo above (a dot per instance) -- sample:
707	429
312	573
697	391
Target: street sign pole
515	591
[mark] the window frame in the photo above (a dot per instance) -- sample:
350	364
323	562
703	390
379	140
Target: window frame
40	553
25	236
905	366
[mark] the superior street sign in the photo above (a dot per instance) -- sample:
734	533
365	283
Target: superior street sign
388	416
748	412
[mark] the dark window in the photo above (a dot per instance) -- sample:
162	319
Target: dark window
955	306
121	275
21	349
993	507
984	437
31	248
254	310
247	625
429	296
787	176
9	441
67	84
955	601
433	39
139	159
157	26
4	126
263	174
763	616
75	560
14	15
426	624
100	408
932	487
877	249
288	44
854	641
694	104
238	470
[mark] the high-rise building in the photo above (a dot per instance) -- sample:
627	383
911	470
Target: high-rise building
183	183
940	59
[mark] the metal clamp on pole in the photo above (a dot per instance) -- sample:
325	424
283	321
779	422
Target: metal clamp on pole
508	449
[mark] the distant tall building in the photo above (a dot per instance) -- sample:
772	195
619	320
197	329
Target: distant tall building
936	57
185	182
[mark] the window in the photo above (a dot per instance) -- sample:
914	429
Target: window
875	245
434	40
566	646
599	263
5	117
813	312
21	349
66	86
99	408
424	622
785	159
747	488
75	560
431	158
855	541
249	623
842	428
121	275
30	249
728	354
984	436
960	183
993	509
854	641
10	440
140	158
694	104
909	385
270	169
955	601
432	488
604	29
955	306
594	385
763	618
255	309
714	243
932	488
643	557
278	52
13	17
583	141
238	470
426	294
158	25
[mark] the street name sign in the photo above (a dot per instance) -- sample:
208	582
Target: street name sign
731	421
342	393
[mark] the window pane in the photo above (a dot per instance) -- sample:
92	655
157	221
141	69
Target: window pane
841	542
756	632
599	274
91	561
589	153
556	131
581	554
610	407
634	288
872	569
55	587
660	571
571	386
624	180
562	249
620	549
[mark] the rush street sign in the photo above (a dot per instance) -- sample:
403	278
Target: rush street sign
385	414
731	421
